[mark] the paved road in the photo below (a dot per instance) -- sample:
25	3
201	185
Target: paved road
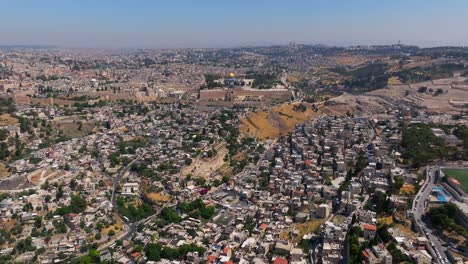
435	247
423	194
116	179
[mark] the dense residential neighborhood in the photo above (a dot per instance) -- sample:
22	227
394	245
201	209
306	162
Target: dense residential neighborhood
221	156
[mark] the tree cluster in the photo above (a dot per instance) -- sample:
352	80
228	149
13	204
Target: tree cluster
197	209
444	217
156	251
132	212
421	145
77	205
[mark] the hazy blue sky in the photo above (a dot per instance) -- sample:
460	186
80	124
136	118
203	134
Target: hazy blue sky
219	23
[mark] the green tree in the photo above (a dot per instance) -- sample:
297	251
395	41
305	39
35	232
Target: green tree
249	224
38	221
170	215
3	134
59	193
153	251
397	183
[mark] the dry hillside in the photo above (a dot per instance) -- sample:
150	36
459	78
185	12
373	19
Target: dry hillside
279	120
276	121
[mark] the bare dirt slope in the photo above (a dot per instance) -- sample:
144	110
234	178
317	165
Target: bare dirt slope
453	90
205	167
276	121
7	120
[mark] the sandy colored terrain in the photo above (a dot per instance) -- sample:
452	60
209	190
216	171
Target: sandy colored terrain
4	172
8	223
394	81
40	175
420	61
278	121
158	197
56	175
225	170
292	79
274	122
7	120
440	103
117	227
302	228
406	231
350	60
206	167
70	125
385	220
362	104
407	189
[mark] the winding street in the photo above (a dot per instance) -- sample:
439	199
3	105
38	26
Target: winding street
131	226
435	247
115	183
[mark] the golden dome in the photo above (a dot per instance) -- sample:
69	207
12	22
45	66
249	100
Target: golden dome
231	75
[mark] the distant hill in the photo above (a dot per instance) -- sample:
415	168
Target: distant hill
10	47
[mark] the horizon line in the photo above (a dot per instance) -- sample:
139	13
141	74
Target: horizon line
252	45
